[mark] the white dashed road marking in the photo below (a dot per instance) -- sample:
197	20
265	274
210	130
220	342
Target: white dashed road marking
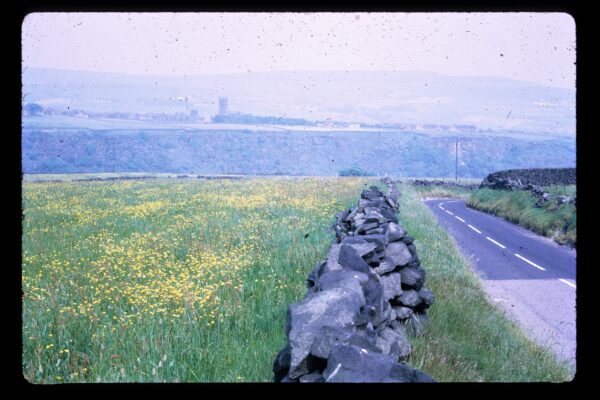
475	229
568	283
529	262
449	212
496	243
459	218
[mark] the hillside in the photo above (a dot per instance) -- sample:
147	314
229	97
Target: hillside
371	97
237	151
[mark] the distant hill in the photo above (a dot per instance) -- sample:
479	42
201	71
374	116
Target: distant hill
370	97
229	151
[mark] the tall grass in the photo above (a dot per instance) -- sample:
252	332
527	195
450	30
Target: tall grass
551	220
176	281
468	339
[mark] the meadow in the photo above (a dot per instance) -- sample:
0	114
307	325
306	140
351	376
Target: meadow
168	280
189	281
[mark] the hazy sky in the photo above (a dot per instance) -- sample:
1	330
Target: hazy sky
536	47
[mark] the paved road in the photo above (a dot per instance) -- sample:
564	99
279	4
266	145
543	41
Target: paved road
529	276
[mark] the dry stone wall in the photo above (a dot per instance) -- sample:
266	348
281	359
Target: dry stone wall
429	183
363	303
532	180
514	179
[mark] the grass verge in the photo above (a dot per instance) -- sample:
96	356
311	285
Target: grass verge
558	222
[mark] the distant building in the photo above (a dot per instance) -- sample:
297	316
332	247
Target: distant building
466	128
223	106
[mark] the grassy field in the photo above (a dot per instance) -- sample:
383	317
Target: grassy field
551	220
168	280
468	338
189	281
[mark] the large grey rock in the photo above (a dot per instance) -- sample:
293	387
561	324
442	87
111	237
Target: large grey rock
331	263
337	307
376	258
352	280
389	215
393	343
386	265
368	332
312	378
362	247
383	318
391	285
363	203
329	336
373	292
412	277
350	259
379	240
356	222
398	253
393	315
403	312
371	194
395	232
367	226
408	298
375	231
367	315
349	363
373	215
364	340
358	216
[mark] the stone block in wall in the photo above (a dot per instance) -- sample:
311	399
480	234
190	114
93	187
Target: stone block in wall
337	307
391	283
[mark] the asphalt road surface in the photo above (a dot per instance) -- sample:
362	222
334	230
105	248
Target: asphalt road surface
529	276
